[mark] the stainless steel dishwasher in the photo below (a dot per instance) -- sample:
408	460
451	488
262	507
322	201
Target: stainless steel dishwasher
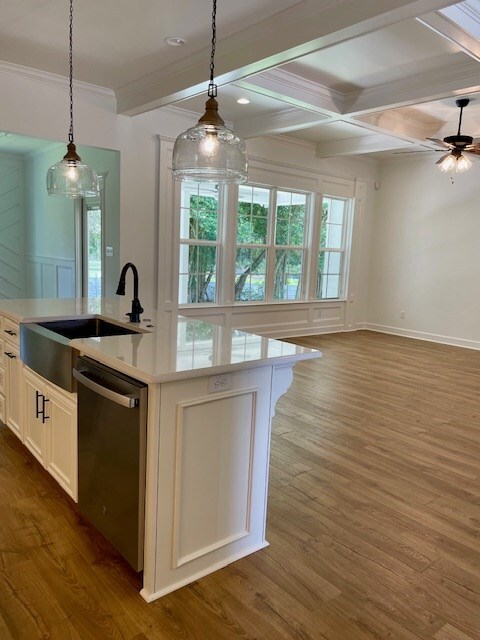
112	421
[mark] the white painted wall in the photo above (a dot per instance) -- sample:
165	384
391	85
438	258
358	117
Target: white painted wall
36	104
425	253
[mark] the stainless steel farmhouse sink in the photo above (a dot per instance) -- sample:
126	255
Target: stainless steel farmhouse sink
45	346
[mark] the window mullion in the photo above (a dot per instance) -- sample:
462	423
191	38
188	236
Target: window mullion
269	285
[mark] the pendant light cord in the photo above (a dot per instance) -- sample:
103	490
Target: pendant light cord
212	87
70	134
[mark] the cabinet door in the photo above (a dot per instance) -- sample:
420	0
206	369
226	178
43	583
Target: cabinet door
35	425
61	446
13	389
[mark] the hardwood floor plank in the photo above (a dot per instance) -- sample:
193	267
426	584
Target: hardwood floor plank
373	520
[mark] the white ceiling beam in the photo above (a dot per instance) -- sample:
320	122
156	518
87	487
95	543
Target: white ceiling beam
284	121
457	79
304	28
453	33
295	90
355	146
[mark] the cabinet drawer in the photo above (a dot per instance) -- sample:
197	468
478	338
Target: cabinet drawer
2	408
11	331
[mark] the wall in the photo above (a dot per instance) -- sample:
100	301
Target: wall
34	104
11	227
425	255
50	242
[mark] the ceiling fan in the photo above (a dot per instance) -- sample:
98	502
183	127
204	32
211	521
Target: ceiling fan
457	145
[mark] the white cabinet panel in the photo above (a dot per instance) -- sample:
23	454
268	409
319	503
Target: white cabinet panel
13	389
211	477
50	417
207	477
34	420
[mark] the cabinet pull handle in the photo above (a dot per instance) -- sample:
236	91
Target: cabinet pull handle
38	395
10	355
10	332
44	417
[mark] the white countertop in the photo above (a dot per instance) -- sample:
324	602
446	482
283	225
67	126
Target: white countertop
171	346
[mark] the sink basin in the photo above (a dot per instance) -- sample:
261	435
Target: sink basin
45	346
86	328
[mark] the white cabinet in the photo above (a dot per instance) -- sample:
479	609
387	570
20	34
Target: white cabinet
50	433
208	505
12	377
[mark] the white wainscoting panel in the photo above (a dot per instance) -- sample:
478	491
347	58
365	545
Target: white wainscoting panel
49	277
206	516
276	320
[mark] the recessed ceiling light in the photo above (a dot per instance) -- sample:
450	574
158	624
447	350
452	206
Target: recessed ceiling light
243	101
175	41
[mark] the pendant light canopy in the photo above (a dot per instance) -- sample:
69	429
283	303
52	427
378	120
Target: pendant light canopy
209	151
71	178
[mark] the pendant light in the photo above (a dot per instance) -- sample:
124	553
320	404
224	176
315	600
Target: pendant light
209	152
71	178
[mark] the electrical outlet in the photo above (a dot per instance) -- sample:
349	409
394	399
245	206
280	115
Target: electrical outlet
402	315
222	382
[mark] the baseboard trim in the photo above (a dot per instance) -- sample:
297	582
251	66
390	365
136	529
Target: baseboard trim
421	335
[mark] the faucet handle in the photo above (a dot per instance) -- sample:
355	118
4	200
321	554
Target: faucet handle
137	309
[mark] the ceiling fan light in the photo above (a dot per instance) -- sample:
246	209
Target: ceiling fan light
456	163
463	164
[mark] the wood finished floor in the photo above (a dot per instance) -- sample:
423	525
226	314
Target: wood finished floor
373	520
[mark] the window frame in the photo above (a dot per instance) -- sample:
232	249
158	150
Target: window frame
226	245
195	242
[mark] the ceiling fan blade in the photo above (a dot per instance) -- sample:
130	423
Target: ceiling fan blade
441	142
474	151
445	155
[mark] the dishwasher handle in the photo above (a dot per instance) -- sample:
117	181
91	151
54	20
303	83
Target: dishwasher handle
130	401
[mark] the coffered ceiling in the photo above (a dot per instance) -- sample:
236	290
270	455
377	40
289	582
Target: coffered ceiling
371	77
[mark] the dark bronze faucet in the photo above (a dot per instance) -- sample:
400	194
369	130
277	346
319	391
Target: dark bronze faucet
137	309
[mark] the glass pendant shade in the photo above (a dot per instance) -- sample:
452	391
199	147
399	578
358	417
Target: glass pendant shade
209	151
456	163
71	178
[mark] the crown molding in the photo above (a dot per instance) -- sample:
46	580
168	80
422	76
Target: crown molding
53	79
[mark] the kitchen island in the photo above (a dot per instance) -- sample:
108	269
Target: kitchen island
212	391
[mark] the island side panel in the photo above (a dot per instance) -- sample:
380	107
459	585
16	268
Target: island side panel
212	476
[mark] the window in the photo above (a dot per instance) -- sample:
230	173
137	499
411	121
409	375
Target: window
271	244
331	248
199	244
252	243
278	247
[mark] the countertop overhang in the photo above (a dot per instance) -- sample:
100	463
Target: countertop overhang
169	347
